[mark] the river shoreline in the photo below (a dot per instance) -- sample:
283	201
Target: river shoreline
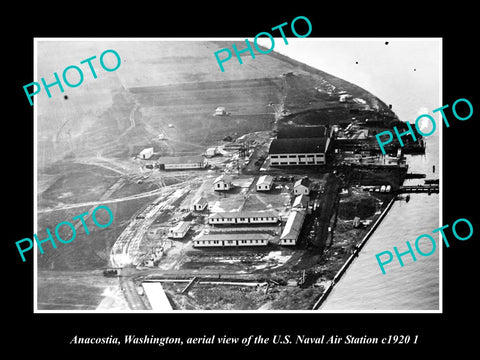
355	253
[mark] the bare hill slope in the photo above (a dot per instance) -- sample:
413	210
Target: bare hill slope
178	83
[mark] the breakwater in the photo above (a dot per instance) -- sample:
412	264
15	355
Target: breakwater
358	248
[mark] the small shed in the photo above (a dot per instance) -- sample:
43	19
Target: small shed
222	183
199	204
302	186
211	152
220	111
180	230
264	183
146	153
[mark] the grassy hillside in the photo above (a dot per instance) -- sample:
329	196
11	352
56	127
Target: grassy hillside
172	82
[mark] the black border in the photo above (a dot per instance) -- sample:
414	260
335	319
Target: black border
51	333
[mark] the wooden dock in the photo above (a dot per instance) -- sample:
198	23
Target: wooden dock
430	189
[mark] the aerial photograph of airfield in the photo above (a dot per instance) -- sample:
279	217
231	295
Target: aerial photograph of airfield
259	188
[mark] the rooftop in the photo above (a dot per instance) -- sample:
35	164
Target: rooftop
301	200
181	159
294	225
265	179
243	214
200	200
234	236
289	132
223	177
303	181
181	226
298	146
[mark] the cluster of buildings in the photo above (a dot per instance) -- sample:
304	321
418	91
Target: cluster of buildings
239	228
242	228
255	228
298	145
293	146
246	228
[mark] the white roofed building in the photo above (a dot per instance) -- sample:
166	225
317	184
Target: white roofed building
292	229
180	230
243	217
302	186
264	183
199	204
146	154
301	202
222	183
225	240
220	111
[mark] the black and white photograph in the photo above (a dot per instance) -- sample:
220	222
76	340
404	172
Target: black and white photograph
262	187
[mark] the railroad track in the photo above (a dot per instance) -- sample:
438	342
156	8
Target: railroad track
126	251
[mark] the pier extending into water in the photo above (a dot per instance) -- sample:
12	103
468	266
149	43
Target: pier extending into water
430	189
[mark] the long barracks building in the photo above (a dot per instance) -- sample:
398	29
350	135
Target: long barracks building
213	240
243	217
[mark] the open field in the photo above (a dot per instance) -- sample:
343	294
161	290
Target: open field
167	90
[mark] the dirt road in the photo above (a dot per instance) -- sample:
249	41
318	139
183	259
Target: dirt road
160	191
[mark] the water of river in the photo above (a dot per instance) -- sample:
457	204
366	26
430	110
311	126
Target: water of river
415	286
407	74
